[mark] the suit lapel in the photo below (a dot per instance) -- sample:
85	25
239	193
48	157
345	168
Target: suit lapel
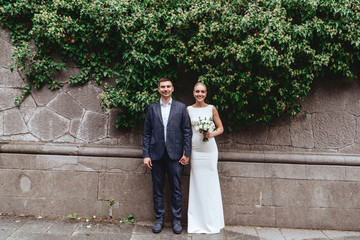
158	112
172	109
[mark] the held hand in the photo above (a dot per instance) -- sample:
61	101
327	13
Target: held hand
184	160
147	162
207	135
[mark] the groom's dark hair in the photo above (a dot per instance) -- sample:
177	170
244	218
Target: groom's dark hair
165	79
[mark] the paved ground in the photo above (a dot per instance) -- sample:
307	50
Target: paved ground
17	227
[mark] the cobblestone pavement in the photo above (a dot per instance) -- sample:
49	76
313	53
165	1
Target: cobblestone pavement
33	228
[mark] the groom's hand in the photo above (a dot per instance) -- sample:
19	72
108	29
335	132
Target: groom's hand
184	160
147	162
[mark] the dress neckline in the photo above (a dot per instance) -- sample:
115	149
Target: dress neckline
200	107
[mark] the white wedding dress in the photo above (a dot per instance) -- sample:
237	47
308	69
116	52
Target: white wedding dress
205	209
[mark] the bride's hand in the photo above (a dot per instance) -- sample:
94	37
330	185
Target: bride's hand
207	135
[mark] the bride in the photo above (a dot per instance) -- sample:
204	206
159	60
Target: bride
205	209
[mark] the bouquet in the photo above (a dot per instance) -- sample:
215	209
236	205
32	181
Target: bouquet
205	125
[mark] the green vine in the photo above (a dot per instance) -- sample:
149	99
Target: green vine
258	58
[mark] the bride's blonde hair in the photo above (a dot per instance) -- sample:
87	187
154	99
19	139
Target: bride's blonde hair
200	83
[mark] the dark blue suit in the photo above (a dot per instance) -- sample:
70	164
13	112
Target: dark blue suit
166	156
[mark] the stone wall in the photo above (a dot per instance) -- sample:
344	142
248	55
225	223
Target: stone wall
60	154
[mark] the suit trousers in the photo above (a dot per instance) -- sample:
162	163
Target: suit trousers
173	170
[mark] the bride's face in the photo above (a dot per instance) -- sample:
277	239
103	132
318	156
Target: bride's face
199	93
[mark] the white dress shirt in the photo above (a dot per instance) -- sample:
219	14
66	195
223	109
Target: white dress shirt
165	112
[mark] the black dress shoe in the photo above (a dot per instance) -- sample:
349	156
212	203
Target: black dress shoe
177	228
159	224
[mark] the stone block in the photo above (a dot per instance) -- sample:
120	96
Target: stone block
334	130
125	165
302	135
86	96
26	184
352	173
67	138
249	215
253	134
289	171
56	162
7	98
88	164
47	125
74	126
66	106
74	185
123	186
242	191
27	108
241	169
6	51
17	161
93	127
44	95
310	193
318	218
279	135
1	123
320	172
10	79
13	122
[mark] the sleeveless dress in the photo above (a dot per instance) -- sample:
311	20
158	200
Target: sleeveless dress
205	209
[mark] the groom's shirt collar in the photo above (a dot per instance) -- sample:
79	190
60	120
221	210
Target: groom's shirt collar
165	105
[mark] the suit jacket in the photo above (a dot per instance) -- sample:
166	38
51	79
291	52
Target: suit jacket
178	132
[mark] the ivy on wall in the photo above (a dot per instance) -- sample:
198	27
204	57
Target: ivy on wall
258	57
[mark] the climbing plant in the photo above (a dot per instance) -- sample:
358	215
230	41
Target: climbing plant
258	57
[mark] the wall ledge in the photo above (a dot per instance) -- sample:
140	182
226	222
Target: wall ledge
318	158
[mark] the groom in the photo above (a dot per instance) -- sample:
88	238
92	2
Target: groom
166	147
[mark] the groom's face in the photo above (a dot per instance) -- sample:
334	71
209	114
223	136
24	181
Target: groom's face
166	89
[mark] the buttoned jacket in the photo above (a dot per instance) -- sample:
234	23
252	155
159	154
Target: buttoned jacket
178	132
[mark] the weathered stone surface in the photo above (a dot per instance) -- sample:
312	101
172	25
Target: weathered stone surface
318	218
30	184
66	106
334	130
352	173
325	172
289	171
5	35
13	122
93	127
302	135
21	137
279	135
121	186
47	125
247	191
44	95
86	96
125	165
254	134
75	185
7	97
89	164
247	215
241	169
1	123
10	79
311	194
6	50
65	139
27	108
74	127
327	97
